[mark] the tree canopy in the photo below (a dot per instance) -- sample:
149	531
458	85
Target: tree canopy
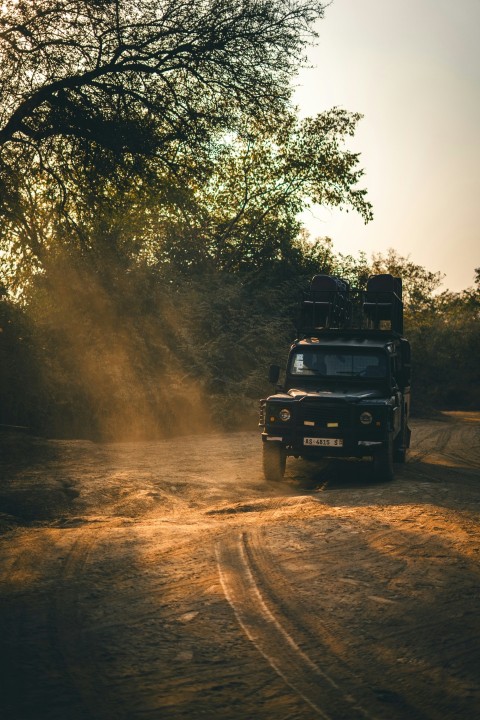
139	74
152	173
161	132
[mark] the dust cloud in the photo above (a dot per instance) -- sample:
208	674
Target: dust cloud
116	368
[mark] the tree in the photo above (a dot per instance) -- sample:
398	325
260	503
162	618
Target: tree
151	168
234	208
419	284
263	178
139	75
98	84
444	333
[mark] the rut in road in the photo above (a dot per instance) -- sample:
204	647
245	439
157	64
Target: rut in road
272	621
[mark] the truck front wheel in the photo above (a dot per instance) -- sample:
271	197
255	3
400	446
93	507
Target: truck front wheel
383	463
274	462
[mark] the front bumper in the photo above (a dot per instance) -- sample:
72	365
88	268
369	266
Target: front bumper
293	443
329	421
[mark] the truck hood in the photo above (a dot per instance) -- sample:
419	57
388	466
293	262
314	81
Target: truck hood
349	395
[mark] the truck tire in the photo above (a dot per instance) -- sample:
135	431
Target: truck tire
400	455
383	463
274	462
400	445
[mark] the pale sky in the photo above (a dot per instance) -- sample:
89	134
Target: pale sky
412	68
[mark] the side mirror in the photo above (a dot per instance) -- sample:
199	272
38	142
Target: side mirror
273	374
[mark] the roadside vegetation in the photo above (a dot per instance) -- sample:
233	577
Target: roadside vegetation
152	171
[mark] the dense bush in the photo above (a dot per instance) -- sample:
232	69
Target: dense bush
162	352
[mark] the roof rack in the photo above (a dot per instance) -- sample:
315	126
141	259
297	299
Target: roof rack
382	303
332	305
328	305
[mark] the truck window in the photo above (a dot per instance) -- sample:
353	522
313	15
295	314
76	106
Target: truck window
338	363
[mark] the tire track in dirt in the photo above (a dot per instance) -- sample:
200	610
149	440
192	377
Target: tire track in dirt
68	630
38	684
457	442
356	643
110	659
264	615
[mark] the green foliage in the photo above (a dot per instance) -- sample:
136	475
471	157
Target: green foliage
419	284
447	342
233	208
157	350
444	332
152	172
123	78
111	114
139	75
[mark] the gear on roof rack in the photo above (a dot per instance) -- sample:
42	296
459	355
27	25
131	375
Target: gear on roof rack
332	305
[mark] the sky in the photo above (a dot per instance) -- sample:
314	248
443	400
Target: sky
412	68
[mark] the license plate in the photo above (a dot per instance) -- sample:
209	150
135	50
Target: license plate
324	442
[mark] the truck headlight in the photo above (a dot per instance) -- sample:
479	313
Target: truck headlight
284	414
366	418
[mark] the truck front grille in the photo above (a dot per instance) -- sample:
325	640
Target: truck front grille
324	415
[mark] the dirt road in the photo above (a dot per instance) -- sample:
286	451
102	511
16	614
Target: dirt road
168	580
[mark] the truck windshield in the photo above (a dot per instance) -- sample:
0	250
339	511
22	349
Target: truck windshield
337	363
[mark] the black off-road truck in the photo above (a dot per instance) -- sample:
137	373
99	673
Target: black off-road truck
347	382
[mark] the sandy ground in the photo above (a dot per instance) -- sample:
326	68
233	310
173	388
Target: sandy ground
169	580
